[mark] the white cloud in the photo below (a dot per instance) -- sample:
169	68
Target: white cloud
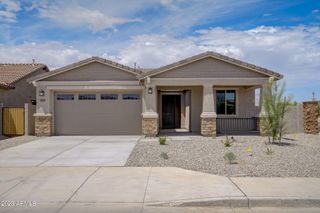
177	17
166	2
79	16
11	5
292	51
184	15
156	50
54	54
8	14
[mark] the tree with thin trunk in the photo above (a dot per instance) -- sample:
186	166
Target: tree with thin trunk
274	107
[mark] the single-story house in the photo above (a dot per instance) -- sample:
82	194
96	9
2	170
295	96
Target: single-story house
205	94
15	91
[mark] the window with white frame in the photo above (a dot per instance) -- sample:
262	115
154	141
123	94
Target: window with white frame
87	96
132	96
109	96
226	102
65	97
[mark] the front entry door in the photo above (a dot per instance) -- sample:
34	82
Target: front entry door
171	111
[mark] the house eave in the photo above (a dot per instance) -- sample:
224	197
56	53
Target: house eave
83	63
217	56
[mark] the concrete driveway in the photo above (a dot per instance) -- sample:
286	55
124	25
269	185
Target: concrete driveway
71	151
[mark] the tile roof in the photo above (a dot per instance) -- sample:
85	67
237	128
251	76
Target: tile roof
84	62
214	55
145	72
11	73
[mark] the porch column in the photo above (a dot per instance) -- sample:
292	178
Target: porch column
149	111
44	116
208	115
262	113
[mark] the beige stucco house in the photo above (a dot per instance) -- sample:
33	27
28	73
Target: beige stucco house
206	94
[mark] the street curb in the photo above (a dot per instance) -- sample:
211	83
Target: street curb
284	202
239	202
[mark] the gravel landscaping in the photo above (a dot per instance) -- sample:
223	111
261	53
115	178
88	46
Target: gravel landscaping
299	156
15	141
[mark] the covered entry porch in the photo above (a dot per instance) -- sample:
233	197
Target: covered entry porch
179	109
225	107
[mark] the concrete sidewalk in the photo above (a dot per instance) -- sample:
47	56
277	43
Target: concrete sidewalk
56	189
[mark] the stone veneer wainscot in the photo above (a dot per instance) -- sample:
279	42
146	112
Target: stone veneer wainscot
208	126
150	126
43	125
310	117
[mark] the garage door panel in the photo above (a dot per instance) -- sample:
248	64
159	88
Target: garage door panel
97	117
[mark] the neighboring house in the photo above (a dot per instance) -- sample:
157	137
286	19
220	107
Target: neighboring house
206	93
15	91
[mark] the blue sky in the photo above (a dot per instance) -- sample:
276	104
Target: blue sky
277	34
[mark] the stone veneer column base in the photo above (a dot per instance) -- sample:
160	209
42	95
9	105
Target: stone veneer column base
43	124
310	117
150	124
208	124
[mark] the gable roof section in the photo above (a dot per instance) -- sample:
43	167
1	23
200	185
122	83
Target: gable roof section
216	56
11	73
82	63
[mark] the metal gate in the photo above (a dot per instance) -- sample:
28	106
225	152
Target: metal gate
12	121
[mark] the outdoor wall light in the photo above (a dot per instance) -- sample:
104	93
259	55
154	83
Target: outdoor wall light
150	90
41	93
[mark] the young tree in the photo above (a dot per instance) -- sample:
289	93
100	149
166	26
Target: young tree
274	107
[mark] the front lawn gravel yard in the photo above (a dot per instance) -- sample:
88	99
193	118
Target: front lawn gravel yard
298	157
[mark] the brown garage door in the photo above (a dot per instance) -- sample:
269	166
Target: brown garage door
104	113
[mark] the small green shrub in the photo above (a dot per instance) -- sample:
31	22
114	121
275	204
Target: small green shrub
164	155
162	140
230	157
228	141
269	151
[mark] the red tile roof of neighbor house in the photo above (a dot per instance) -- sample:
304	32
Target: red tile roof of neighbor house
11	73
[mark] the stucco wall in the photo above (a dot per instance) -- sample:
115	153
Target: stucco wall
29	119
294	119
93	72
209	68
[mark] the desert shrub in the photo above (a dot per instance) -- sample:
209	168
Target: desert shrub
269	151
227	142
230	157
164	155
162	140
274	106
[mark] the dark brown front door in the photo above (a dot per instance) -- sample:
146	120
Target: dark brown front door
171	105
